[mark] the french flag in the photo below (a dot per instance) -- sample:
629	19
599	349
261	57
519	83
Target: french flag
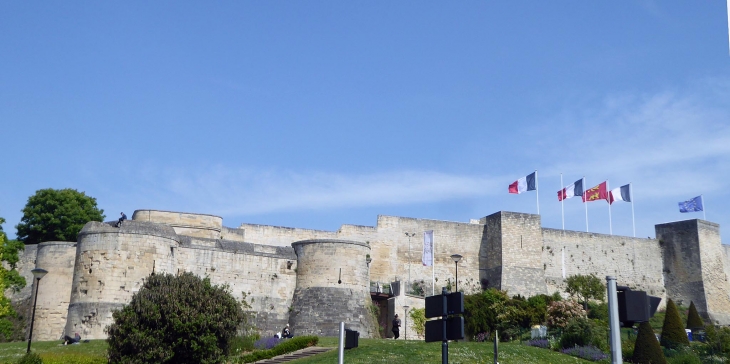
576	189
523	184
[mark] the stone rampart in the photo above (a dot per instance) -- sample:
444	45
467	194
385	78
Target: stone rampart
57	257
635	262
264	275
197	225
110	266
332	286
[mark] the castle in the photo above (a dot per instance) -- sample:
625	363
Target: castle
315	279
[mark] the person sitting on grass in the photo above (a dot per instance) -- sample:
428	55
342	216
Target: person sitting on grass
286	334
72	340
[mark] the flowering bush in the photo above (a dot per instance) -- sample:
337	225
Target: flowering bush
561	312
266	343
586	352
481	337
540	343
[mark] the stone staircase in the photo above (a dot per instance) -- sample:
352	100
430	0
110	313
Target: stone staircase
303	353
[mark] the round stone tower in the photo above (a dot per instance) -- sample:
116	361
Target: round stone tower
333	286
111	264
57	257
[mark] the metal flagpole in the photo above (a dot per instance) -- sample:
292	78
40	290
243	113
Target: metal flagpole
562	199
537	193
631	196
584	201
610	225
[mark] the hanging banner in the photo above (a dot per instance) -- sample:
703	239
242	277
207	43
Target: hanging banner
427	248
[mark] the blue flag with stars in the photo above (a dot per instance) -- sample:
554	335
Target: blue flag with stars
691	205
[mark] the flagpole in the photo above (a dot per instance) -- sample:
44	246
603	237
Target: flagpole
631	196
562	199
537	193
584	201
610	224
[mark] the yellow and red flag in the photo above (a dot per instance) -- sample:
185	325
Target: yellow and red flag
596	193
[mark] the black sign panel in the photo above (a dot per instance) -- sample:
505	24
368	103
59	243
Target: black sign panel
454	329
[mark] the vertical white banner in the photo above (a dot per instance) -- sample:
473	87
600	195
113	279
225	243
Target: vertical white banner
427	258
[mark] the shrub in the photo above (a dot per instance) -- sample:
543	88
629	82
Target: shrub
266	343
30	358
646	348
586	352
598	311
175	319
682	355
694	321
718	339
540	343
479	315
583	332
418	317
561	312
673	334
293	344
244	343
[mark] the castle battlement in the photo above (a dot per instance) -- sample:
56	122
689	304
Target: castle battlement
290	275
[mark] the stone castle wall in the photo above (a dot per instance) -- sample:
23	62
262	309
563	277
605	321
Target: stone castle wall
635	262
505	250
54	295
333	286
264	275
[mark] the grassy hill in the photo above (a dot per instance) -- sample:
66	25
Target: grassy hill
399	351
369	351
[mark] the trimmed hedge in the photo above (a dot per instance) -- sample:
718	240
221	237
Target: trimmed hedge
694	321
673	334
647	349
288	346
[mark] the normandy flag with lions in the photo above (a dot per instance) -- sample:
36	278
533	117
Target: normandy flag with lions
596	193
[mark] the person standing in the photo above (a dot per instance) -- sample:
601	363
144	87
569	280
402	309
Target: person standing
396	327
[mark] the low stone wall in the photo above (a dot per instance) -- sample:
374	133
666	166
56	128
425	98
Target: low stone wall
197	225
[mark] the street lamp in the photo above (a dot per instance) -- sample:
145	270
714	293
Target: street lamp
456	258
405	327
409	235
38	273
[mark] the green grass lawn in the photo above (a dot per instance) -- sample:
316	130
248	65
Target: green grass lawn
399	351
368	351
56	352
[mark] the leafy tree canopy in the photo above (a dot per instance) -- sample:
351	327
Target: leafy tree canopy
585	287
175	319
56	215
9	278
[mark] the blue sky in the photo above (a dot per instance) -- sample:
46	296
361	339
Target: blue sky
316	114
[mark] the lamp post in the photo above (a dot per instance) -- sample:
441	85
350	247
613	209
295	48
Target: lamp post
405	327
38	273
456	258
409	235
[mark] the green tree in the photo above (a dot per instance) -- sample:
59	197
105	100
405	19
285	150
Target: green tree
673	334
56	215
646	348
9	278
585	287
694	321
175	319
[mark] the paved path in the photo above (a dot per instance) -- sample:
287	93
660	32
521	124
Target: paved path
312	350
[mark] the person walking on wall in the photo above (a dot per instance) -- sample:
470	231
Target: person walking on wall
121	218
396	327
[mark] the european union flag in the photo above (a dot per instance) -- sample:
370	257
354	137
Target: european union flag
691	205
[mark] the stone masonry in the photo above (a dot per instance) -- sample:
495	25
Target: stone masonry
289	275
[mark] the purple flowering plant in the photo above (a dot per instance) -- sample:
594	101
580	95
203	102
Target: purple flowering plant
586	352
266	343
